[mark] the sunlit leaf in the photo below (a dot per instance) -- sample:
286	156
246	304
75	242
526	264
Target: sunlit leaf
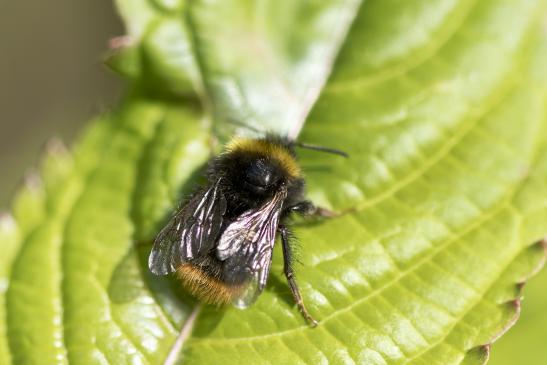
441	106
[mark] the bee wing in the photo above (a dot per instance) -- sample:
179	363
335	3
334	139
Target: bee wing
191	231
246	247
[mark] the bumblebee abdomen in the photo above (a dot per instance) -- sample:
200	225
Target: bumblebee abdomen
207	288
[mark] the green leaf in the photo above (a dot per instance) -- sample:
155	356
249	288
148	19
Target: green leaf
442	108
264	63
157	50
525	342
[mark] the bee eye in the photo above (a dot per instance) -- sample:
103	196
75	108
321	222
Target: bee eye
259	174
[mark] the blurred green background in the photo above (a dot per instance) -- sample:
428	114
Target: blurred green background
51	77
52	81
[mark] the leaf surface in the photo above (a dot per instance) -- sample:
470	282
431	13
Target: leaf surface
442	108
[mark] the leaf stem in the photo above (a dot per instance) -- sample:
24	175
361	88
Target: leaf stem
185	332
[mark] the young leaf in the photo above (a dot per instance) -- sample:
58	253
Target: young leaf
441	106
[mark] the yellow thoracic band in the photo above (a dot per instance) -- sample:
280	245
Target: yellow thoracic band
266	148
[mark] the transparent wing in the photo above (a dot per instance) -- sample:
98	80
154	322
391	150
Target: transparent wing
191	231
246	247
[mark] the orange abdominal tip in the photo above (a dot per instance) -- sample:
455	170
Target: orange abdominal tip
206	288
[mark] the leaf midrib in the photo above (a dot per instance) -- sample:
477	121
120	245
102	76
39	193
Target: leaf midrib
310	96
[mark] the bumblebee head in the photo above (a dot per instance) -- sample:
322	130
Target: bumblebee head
258	167
260	175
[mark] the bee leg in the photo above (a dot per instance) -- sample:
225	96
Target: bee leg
307	208
289	273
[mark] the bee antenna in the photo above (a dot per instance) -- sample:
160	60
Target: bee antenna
322	149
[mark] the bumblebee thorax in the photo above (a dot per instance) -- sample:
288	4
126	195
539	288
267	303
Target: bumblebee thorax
252	171
276	151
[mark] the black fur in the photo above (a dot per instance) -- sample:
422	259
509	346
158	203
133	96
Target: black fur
249	180
228	227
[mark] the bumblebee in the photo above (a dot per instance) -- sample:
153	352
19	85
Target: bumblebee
220	242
